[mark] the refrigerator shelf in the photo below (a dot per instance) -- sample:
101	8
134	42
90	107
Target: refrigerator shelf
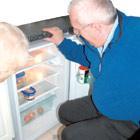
35	45
35	76
31	65
44	90
40	56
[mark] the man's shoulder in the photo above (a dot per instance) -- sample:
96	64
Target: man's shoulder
130	23
130	19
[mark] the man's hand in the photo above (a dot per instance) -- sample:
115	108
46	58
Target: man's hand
57	36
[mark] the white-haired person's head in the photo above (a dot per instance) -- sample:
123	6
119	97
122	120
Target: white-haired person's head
93	19
89	11
13	50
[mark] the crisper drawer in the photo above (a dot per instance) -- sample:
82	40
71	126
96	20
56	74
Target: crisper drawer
38	118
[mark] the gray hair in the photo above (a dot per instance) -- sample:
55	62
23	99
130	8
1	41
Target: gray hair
89	11
13	49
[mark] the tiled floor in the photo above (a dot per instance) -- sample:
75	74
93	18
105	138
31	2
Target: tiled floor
53	134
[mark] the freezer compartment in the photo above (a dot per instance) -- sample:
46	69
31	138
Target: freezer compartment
34	112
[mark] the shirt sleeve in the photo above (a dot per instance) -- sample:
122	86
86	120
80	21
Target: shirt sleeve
74	52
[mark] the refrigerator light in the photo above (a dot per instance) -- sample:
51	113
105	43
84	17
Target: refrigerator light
38	58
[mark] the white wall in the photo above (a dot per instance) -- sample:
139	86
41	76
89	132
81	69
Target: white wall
130	7
19	12
25	11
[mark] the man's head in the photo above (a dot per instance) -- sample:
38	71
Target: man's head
93	19
13	50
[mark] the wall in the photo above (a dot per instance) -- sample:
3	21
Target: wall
130	7
19	12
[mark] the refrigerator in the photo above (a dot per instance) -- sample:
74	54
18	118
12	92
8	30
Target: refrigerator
38	89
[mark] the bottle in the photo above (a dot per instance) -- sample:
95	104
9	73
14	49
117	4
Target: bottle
83	75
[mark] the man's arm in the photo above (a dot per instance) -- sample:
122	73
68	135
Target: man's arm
74	52
71	50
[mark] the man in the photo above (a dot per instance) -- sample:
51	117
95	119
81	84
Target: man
111	51
13	50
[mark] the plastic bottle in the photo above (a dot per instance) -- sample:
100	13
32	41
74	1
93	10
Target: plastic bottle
83	75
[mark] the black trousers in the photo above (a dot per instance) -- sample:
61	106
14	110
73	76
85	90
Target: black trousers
84	122
136	135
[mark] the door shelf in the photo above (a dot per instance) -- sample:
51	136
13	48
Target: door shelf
35	76
39	109
44	90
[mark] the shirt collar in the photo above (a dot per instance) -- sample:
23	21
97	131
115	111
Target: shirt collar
109	39
102	49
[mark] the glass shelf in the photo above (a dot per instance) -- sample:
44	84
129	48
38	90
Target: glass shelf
44	89
34	76
40	56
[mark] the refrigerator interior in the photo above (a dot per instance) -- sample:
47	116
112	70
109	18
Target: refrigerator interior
47	72
77	89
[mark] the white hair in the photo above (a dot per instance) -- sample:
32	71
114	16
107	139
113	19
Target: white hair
89	11
13	49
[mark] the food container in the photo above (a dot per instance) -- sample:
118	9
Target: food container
29	94
29	117
20	79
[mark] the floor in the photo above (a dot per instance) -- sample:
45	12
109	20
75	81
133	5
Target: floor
53	134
